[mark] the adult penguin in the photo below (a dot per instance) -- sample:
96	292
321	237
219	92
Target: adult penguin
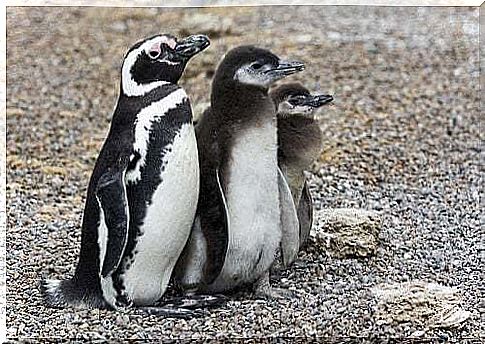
142	195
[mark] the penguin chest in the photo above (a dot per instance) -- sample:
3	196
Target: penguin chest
253	205
161	223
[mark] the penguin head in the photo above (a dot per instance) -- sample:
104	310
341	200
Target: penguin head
249	65
158	60
295	99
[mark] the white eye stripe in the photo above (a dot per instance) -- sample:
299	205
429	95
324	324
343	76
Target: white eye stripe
168	41
155	50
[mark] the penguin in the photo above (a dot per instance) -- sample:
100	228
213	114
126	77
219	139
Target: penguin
143	191
299	146
237	229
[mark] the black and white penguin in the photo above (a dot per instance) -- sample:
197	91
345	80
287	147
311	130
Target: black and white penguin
237	229
299	146
142	195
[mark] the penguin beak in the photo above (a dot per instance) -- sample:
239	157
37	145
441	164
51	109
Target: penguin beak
285	68
190	46
316	101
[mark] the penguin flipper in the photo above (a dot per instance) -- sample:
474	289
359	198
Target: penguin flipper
288	222
305	214
214	222
111	195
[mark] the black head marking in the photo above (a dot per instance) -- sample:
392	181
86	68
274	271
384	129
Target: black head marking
240	56
233	101
254	67
295	98
158	60
282	92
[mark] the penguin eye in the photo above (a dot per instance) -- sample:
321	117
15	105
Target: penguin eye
154	54
256	65
295	100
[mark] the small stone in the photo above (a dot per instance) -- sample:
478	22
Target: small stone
122	319
304	38
347	232
96	60
418	333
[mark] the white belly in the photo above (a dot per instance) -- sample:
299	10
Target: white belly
253	204
167	223
191	266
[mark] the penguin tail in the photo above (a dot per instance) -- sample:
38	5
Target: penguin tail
59	294
65	293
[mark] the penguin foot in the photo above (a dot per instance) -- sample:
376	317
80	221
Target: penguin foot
263	289
195	301
180	313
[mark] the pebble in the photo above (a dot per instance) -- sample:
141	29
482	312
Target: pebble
122	319
347	232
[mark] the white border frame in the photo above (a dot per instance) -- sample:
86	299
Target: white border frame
166	3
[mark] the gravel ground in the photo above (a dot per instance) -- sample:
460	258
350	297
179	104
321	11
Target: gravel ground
403	139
